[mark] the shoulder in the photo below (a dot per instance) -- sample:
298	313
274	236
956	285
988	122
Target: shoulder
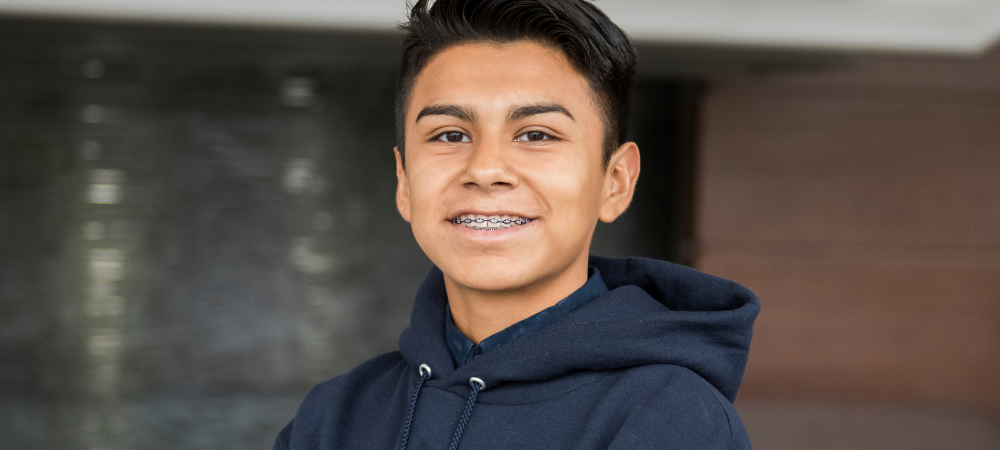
376	371
338	397
680	409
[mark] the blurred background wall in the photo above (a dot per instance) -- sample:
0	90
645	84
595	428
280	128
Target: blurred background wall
197	223
862	204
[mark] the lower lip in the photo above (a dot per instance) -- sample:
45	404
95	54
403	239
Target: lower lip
489	235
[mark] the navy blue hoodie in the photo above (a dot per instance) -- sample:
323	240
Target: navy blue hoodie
654	363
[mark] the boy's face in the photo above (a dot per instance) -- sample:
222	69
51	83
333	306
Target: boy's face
506	132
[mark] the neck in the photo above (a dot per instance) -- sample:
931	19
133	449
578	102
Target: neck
479	314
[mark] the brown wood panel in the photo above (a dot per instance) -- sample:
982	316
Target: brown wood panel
870	331
863	207
849	169
839	426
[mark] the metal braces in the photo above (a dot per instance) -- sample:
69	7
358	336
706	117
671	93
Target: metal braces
504	221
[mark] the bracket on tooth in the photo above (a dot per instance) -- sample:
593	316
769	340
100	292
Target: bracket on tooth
505	221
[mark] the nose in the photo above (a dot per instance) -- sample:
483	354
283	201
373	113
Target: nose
488	167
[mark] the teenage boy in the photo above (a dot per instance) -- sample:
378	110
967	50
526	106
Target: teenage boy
511	119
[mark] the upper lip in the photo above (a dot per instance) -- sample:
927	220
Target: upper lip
489	213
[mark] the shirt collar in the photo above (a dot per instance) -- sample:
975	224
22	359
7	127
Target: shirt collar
464	350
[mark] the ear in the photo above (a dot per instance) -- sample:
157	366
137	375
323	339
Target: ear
402	187
619	182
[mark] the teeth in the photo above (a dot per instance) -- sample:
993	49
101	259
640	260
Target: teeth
494	222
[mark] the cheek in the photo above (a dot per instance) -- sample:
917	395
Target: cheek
428	176
429	191
572	197
422	197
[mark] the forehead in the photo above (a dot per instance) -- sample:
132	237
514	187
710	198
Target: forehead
489	75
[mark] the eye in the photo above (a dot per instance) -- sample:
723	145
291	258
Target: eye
453	137
535	136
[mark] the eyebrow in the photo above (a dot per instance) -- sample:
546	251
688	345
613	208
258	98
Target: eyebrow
520	112
515	113
460	112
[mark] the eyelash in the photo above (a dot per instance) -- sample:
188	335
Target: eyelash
548	137
440	136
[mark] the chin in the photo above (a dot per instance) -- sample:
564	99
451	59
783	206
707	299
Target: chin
499	266
489	273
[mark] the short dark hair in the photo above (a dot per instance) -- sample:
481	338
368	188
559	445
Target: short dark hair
594	45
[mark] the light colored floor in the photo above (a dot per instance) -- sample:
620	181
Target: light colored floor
818	426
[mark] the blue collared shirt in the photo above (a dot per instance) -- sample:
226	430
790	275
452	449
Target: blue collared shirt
464	350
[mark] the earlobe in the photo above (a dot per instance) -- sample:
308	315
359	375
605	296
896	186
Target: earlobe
402	187
620	180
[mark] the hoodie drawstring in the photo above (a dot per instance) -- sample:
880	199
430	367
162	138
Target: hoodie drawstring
477	385
425	374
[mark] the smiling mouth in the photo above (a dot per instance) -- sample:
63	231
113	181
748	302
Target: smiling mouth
489	223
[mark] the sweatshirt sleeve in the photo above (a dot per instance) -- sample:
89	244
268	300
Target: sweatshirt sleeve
684	413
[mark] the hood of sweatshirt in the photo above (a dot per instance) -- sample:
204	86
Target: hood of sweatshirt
654	313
